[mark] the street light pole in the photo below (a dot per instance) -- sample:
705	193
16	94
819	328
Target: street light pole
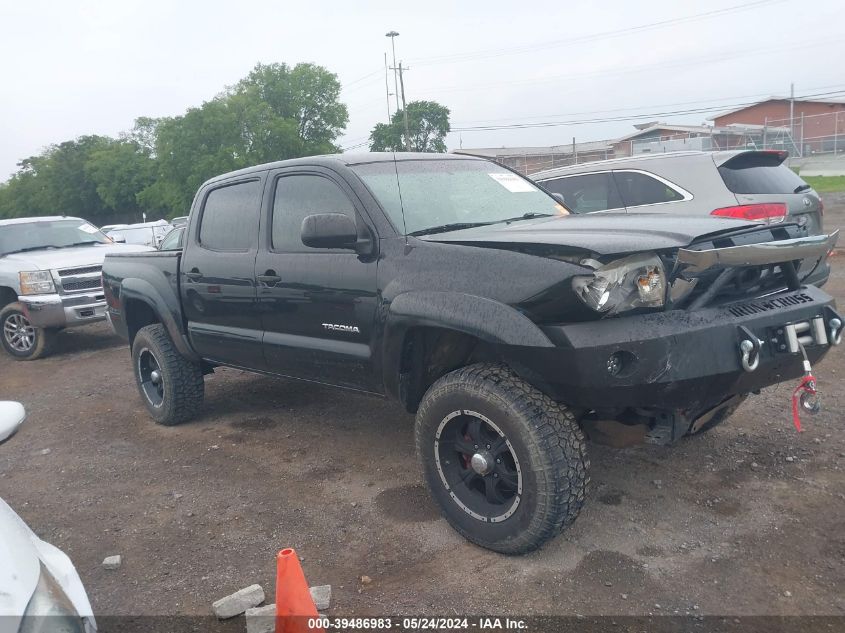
392	35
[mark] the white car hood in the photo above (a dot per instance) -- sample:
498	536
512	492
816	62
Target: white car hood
21	556
49	259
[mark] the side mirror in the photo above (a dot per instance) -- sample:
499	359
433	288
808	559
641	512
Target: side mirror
11	418
329	230
560	199
118	239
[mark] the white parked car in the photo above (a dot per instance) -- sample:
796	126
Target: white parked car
37	580
145	233
50	278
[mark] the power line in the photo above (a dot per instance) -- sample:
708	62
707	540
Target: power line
631	109
625	70
515	50
543	124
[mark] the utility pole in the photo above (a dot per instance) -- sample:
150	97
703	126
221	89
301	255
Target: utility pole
392	35
386	89
404	111
792	114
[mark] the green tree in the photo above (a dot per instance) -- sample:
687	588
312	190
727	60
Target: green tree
56	182
428	124
120	171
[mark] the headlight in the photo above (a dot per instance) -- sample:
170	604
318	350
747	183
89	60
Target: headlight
37	282
638	281
50	609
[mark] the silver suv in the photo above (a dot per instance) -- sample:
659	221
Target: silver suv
748	184
50	278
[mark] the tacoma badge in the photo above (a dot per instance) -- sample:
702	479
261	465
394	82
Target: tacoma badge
352	329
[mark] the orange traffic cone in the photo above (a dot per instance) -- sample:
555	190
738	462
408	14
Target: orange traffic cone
295	610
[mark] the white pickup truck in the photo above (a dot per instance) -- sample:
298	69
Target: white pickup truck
50	278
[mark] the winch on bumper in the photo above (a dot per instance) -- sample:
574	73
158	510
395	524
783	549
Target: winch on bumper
680	360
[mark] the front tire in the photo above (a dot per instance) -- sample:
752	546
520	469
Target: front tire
21	339
506	464
171	386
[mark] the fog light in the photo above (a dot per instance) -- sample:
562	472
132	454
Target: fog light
614	363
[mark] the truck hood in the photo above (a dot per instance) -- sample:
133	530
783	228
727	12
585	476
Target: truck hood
600	233
50	259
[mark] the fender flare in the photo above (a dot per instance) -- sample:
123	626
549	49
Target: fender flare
485	319
141	290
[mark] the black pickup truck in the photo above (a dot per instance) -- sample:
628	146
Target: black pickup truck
470	295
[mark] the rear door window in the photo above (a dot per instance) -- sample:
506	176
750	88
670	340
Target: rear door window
760	173
229	219
638	189
586	193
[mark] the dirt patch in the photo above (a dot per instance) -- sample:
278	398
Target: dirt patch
408	504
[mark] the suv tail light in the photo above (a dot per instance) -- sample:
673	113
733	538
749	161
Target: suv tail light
768	212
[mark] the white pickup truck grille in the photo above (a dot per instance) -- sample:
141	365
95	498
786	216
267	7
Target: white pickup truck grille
79	279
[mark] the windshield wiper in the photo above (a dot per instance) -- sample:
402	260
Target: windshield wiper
454	226
85	243
801	188
528	216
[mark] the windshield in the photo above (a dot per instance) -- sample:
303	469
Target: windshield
440	193
30	236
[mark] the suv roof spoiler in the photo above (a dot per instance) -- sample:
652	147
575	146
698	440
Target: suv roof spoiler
721	158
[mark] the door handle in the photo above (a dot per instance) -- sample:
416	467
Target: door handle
193	274
269	277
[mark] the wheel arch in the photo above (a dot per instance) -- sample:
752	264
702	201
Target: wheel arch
7	295
144	305
430	333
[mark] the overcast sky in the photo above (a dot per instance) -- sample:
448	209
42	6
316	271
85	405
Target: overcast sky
93	66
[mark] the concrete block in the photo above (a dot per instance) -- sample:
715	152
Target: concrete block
261	619
111	562
238	602
322	596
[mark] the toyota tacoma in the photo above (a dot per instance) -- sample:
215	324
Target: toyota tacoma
469	295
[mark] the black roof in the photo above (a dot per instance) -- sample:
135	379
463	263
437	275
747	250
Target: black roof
332	160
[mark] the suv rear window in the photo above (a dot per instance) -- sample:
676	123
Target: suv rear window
639	189
760	173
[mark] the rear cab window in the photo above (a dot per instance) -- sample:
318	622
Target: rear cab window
760	173
229	220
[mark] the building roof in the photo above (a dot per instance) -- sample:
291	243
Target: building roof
775	98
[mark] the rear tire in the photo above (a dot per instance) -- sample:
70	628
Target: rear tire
21	339
171	386
506	464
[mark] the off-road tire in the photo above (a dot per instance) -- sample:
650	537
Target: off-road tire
183	385
544	437
42	343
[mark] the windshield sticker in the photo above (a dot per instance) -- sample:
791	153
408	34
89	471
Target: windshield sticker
513	183
88	228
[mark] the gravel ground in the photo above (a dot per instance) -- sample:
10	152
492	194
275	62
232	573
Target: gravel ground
747	519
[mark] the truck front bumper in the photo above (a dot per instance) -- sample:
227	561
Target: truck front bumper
682	360
54	310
